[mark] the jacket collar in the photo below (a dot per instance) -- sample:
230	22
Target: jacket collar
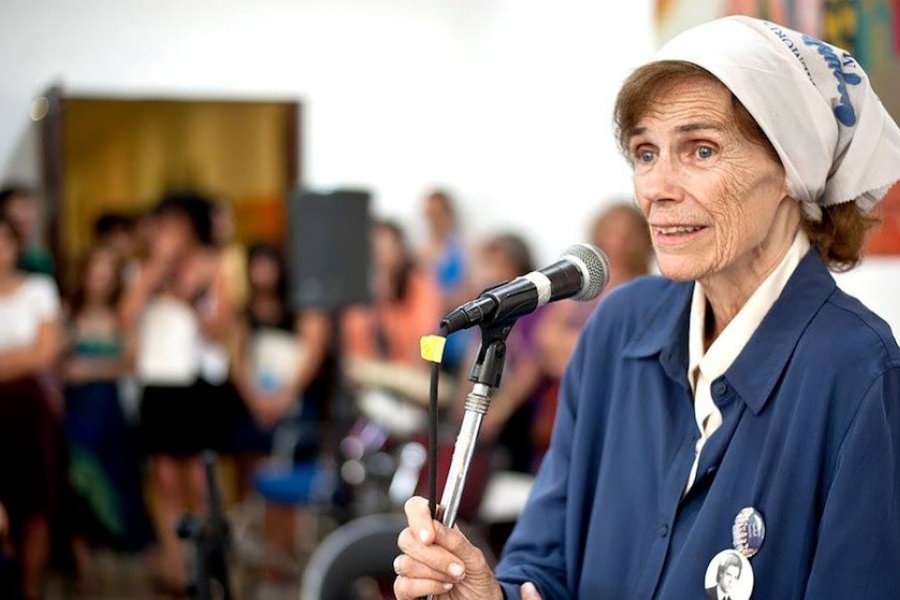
758	367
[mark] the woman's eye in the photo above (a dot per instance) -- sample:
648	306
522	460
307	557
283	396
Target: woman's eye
705	152
645	156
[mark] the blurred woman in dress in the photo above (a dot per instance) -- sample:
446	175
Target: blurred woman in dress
285	369
29	434
621	232
104	471
284	366
406	304
445	256
509	421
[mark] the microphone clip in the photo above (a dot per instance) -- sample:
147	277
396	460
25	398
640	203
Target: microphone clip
487	369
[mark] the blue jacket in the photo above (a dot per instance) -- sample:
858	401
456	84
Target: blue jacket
810	434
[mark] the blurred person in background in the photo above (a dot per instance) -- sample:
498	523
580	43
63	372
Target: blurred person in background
116	232
284	366
10	578
406	304
285	369
179	307
622	233
508	423
119	233
29	434
104	470
144	234
128	237
444	254
19	205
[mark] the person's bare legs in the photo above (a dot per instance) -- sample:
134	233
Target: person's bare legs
166	472
196	474
84	564
35	551
279	539
246	466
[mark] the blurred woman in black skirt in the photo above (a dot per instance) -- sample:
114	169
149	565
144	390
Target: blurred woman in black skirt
180	312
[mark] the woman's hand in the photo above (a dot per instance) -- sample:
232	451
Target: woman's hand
439	561
76	370
269	407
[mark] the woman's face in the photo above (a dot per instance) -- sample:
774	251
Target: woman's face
621	235
388	252
714	200
494	267
22	211
174	228
438	217
264	273
101	275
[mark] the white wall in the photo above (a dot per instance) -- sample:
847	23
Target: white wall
877	284
505	102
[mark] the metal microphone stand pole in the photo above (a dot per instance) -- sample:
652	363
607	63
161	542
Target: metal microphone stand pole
487	370
211	537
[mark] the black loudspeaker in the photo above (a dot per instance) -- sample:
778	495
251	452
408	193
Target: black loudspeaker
329	249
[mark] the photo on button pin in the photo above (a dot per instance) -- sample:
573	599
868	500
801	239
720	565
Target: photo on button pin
729	576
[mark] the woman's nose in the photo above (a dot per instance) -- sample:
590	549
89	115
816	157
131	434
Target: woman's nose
661	181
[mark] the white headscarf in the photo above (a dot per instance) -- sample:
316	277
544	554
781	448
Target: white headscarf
814	102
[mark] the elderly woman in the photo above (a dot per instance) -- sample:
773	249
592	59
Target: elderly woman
742	405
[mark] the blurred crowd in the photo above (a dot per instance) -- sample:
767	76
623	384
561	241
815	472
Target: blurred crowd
172	338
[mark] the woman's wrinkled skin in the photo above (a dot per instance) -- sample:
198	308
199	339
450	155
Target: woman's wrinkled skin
717	203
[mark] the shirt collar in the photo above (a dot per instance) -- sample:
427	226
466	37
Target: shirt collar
728	345
757	368
666	324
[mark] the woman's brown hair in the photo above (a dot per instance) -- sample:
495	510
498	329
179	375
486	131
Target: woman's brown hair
841	234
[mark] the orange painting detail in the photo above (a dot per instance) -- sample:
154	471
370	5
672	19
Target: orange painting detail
886	238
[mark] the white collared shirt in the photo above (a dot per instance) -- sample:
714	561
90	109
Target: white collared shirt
706	367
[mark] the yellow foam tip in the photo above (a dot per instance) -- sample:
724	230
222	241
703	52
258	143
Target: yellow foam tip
432	347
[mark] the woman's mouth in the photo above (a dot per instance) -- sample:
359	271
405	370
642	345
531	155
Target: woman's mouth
676	234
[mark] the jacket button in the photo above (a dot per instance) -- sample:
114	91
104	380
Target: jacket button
663	530
720	387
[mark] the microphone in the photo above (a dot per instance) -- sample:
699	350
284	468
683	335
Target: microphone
580	273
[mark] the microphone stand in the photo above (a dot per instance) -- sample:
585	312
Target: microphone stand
211	538
486	373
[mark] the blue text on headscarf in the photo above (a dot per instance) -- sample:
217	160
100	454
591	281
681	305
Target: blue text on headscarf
844	110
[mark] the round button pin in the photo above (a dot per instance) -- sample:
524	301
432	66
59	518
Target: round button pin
729	575
748	532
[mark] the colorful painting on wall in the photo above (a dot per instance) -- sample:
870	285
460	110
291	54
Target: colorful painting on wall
868	29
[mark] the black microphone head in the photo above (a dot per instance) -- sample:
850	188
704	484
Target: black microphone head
594	267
